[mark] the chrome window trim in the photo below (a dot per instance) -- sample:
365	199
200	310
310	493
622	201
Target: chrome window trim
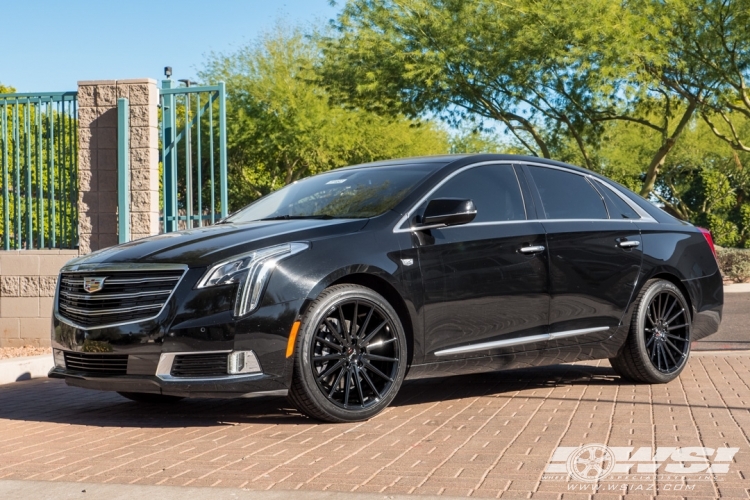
397	228
166	359
485	346
645	217
84	268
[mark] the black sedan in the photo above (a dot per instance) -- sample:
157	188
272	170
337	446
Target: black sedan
335	288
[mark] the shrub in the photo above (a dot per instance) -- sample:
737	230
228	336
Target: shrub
734	263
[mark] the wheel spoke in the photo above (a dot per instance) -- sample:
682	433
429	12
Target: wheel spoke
370	335
669	335
344	330
328	357
334	331
658	356
678	313
377	372
359	386
336	383
674	361
331	370
375	357
369	382
675	327
380	343
347	387
366	322
329	343
669	311
353	332
677	349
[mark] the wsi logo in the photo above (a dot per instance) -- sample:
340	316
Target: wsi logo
594	462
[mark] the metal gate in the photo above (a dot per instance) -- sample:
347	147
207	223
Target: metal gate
193	155
39	154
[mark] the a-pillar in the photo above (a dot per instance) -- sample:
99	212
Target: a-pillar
97	160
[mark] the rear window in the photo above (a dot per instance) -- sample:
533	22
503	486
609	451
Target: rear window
567	196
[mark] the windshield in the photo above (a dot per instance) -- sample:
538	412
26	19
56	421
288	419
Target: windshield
345	194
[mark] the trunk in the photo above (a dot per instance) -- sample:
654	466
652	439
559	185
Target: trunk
658	160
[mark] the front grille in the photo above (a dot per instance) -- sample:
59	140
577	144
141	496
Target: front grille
200	365
125	296
99	364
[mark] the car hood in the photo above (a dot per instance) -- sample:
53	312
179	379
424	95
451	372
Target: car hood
200	247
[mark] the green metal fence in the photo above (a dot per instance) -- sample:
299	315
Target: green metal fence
193	155
39	149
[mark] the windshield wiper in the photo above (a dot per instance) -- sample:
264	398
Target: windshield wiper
290	217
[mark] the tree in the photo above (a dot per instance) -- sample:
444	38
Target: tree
543	68
283	126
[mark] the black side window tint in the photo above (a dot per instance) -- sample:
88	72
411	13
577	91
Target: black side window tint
567	196
493	189
618	208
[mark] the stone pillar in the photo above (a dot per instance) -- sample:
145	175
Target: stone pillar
97	160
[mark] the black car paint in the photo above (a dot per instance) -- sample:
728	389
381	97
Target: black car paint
369	251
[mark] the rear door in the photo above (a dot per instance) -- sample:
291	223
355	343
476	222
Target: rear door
485	282
594	254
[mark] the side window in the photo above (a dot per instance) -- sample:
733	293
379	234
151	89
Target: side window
567	196
493	189
618	208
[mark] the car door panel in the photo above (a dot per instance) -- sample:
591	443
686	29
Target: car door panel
480	288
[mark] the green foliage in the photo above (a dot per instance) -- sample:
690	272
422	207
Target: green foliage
734	263
283	126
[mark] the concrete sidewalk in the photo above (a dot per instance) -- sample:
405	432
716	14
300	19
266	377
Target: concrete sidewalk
513	434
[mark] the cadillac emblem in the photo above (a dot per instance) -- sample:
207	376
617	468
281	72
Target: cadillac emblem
92	285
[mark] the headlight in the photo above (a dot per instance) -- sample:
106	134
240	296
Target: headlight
251	271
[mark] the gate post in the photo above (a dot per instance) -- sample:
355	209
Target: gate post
97	160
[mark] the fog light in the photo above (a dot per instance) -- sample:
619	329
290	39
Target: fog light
243	362
59	358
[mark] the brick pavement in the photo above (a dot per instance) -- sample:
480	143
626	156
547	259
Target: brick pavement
489	435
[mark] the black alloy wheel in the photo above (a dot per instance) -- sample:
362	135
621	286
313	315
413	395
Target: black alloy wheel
667	336
658	344
350	356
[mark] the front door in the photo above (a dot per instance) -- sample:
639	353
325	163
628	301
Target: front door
485	283
594	255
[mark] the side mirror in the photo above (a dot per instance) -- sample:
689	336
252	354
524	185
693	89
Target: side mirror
442	212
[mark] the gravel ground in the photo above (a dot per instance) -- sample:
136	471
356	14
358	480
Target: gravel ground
18	352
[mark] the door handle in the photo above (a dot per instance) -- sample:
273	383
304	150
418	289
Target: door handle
532	249
628	244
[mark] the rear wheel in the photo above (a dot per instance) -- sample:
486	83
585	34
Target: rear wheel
144	397
658	345
350	357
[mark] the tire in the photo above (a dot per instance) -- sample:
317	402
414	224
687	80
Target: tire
658	344
369	358
149	398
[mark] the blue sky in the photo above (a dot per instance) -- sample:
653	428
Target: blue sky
48	45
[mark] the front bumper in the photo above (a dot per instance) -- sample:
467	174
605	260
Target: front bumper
235	385
193	322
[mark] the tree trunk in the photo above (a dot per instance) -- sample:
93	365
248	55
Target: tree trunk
658	160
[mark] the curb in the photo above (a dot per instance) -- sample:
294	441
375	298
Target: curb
17	369
737	288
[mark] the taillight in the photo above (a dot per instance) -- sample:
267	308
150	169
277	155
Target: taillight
707	234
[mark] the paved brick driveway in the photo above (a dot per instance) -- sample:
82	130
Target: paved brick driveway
488	435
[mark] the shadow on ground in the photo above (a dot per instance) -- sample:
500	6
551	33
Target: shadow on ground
53	401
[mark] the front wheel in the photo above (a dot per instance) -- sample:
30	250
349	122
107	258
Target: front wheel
658	345
350	356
